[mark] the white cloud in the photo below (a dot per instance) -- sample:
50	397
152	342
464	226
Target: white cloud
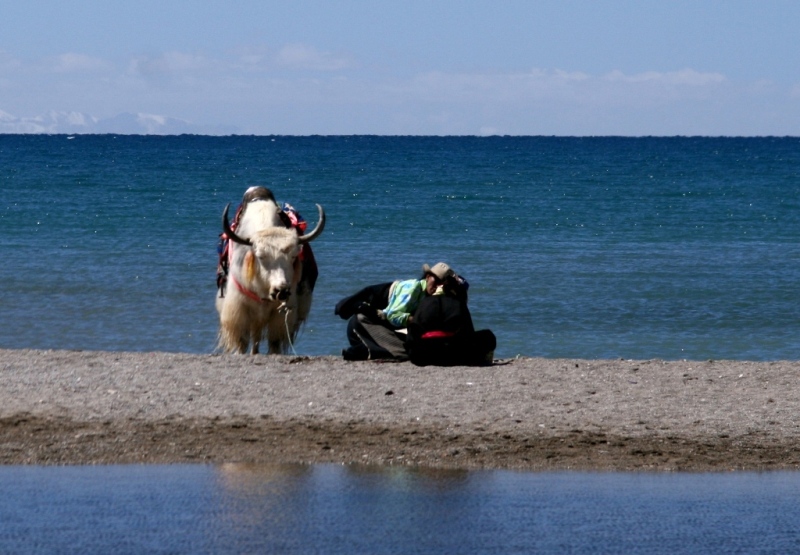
7	61
295	57
72	62
504	88
169	64
562	88
565	76
298	89
682	77
251	58
302	56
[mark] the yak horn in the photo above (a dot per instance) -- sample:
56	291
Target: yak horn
313	234
226	227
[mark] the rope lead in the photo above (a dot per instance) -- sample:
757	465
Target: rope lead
288	334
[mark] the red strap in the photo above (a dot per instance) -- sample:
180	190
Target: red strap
437	334
247	292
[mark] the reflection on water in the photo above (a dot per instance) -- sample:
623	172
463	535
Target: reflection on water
240	508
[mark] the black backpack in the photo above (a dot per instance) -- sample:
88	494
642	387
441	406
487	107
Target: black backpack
442	334
377	296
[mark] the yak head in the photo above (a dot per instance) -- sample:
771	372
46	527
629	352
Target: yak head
270	267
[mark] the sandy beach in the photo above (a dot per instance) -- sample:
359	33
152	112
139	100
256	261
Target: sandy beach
88	407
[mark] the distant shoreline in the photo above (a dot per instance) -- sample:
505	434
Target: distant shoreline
101	407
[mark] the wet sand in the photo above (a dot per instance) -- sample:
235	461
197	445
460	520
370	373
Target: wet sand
89	407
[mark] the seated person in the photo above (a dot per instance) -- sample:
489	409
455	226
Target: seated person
375	320
426	320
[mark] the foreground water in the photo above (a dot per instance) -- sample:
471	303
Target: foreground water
361	509
575	247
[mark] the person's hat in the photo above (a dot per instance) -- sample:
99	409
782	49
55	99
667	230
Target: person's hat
441	270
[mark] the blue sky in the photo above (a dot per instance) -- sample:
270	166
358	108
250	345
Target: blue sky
613	67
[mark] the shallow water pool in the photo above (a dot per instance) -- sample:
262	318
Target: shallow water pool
236	508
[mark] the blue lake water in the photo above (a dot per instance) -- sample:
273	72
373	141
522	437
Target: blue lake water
574	247
394	510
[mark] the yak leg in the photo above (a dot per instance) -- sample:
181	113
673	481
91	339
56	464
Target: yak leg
279	332
231	341
255	340
275	347
234	333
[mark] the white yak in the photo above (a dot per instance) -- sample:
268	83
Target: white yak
267	296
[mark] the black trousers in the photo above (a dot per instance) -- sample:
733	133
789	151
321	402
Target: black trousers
379	338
